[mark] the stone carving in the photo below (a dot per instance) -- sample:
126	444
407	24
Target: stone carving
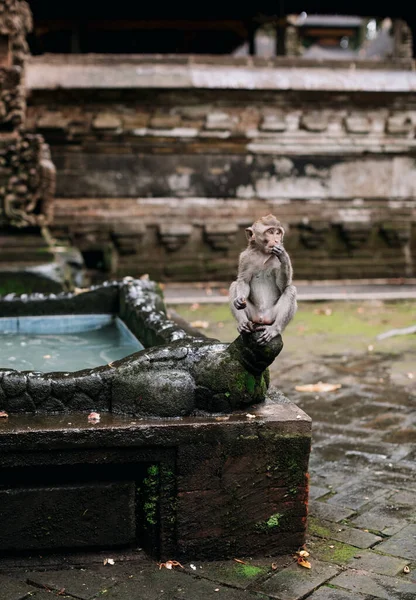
26	198
176	375
355	235
263	299
396	235
313	234
221	236
174	236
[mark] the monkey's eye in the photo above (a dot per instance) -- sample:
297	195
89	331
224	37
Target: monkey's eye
271	230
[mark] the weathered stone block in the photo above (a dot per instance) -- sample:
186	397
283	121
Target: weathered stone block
399	124
106	120
77	516
357	123
314	121
273	121
164	121
220	121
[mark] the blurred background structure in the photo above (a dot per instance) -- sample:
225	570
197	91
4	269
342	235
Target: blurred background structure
173	127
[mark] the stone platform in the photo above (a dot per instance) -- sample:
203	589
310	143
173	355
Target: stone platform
192	487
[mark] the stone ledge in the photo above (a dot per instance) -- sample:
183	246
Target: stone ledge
260	482
47	74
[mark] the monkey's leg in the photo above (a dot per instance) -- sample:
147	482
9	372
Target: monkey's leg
285	308
240	314
284	311
238	294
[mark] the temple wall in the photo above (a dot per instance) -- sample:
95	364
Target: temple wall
164	181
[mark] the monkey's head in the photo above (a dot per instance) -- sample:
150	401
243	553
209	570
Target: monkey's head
265	233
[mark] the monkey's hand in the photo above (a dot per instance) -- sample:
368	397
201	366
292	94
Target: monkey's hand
279	251
245	326
240	303
269	332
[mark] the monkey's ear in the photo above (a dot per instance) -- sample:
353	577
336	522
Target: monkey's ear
249	233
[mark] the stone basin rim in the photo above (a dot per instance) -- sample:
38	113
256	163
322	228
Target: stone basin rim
177	374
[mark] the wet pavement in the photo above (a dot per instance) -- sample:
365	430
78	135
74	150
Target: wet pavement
362	518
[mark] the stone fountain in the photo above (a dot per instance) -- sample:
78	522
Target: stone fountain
189	452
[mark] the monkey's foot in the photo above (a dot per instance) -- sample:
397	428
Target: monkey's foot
266	334
245	327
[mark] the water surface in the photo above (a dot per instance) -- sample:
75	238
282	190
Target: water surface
64	343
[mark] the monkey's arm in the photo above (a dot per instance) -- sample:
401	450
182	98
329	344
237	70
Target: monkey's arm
241	287
239	293
285	273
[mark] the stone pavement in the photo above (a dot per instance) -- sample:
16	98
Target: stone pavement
362	519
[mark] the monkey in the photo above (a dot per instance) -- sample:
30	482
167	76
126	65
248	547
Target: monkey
263	299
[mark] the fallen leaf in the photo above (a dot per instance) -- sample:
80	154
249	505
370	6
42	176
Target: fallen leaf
318	387
3	414
169	564
239	561
94	417
302	562
144	277
406	569
323	311
108	561
200	324
224	418
274	566
249	416
303	553
193	567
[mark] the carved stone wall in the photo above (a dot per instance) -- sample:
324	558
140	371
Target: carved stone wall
164	181
27	174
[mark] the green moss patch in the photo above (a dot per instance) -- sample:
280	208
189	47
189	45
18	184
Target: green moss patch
334	552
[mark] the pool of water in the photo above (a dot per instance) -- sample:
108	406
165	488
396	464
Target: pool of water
64	343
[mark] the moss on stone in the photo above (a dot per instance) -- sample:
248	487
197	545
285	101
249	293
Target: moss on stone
315	527
151	493
272	523
339	553
250	571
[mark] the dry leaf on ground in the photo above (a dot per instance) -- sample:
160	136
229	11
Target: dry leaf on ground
323	311
169	564
302	562
94	417
200	324
318	387
3	414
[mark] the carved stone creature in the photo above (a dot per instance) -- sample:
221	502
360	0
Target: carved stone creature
262	298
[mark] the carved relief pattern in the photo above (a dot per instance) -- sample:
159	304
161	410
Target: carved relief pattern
27	196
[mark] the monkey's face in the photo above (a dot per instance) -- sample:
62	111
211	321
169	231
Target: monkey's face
270	236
